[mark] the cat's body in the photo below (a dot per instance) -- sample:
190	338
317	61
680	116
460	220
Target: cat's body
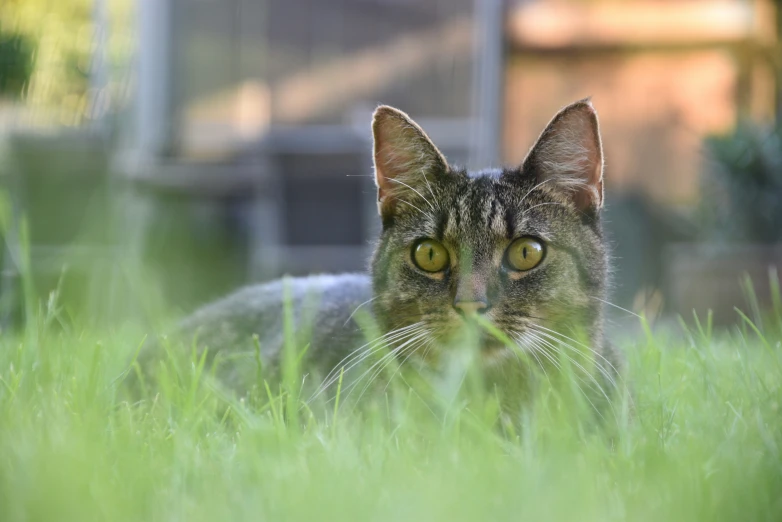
521	248
324	310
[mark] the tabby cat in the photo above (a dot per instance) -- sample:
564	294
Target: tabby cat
519	248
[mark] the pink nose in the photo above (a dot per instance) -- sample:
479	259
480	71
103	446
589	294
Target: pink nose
466	308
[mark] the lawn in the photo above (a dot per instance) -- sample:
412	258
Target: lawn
704	442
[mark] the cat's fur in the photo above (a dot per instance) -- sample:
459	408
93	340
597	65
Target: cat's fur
555	195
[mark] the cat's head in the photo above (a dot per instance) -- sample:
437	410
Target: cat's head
520	247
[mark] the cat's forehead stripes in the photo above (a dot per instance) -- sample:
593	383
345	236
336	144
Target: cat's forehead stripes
476	220
484	207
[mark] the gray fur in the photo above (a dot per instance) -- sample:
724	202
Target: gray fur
324	317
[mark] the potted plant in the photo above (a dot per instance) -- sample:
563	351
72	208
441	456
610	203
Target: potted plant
16	63
739	217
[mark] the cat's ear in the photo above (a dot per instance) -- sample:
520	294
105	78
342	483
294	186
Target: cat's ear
405	158
568	156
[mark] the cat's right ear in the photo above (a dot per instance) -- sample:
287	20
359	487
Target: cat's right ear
405	161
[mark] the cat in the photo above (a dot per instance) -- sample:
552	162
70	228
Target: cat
520	248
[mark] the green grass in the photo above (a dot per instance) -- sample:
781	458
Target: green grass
704	443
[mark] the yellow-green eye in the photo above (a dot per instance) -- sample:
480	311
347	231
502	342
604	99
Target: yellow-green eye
524	254
430	256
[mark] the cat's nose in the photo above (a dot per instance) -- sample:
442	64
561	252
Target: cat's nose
467	308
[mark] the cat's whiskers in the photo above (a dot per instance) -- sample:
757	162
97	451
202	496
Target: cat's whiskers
377	368
521	343
426	345
542	346
406	353
532	349
361	353
414	190
367	349
359	357
539	345
542	205
415	207
429	186
580	367
552	203
429	346
558	336
598	365
357	308
533	188
611	377
615	306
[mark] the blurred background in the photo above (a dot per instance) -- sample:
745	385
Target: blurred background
172	150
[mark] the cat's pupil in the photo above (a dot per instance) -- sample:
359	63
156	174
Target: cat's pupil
431	253
524	252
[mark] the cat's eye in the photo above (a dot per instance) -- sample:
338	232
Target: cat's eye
430	256
524	254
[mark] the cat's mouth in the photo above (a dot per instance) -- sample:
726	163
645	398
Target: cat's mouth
489	344
491	348
494	352
478	340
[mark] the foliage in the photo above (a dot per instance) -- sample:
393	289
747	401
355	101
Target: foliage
61	34
16	63
742	192
75	445
64	38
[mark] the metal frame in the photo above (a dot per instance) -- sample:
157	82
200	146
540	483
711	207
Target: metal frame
489	56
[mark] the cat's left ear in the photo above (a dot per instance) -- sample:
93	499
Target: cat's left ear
568	156
405	161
